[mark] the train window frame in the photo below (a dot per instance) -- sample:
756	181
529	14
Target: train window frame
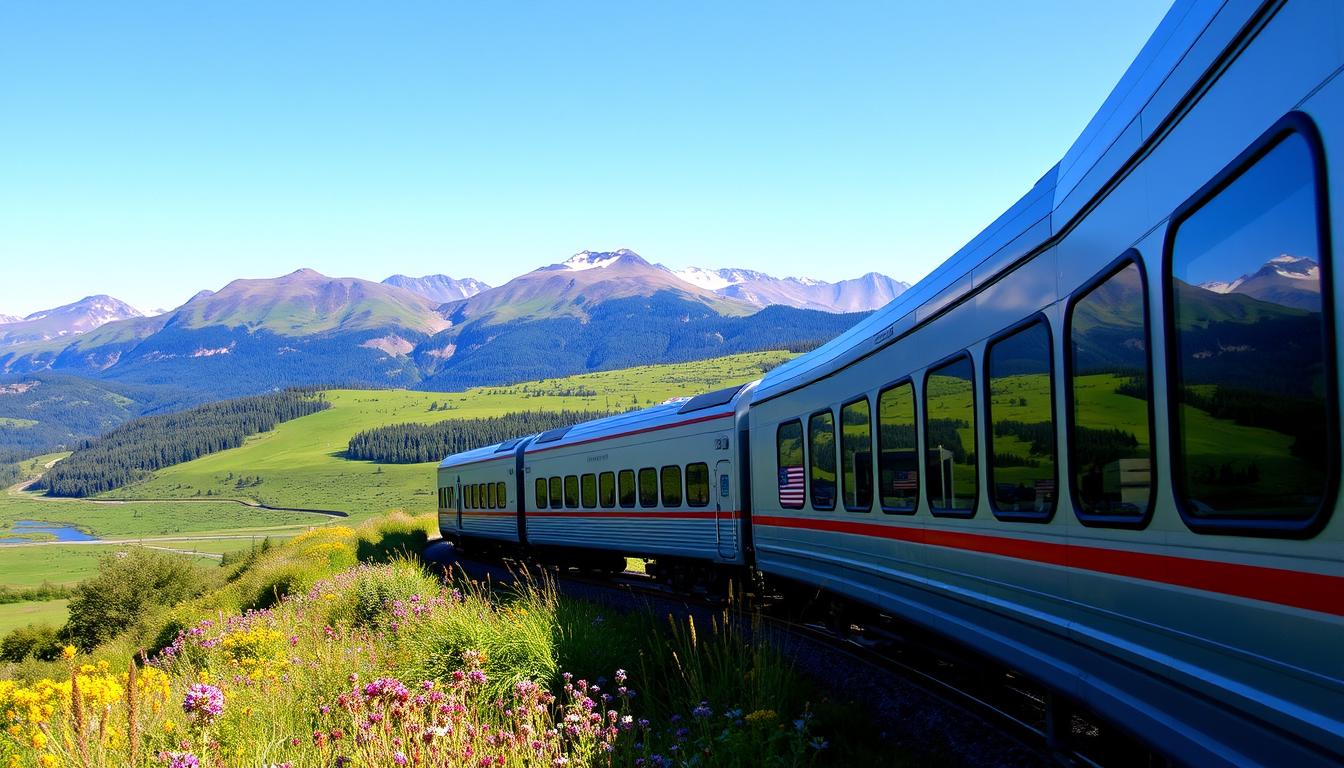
588	490
634	489
639	488
706	485
606	490
877	436
1292	123
557	491
976	429
541	492
1014	516
490	496
840	449
503	494
1093	519
802	444
575	485
662	486
471	496
808	454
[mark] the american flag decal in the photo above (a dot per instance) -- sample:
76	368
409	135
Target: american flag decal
904	481
791	486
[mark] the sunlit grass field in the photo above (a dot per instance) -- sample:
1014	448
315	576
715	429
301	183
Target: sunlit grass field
301	463
15	615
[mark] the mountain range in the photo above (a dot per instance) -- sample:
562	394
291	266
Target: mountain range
1287	280
596	310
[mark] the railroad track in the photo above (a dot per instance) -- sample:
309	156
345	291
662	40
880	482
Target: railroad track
978	713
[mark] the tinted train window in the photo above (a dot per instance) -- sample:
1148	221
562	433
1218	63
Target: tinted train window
503	494
789	463
1109	380
557	492
588	488
697	485
471	497
821	443
648	487
671	476
572	491
898	454
625	480
950	475
491	493
606	489
541	493
1021	437
1249	346
856	455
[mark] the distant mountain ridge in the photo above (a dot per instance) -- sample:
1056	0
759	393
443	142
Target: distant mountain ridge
71	319
1292	281
861	294
440	288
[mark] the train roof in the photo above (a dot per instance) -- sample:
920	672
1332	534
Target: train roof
670	413
1172	60
500	450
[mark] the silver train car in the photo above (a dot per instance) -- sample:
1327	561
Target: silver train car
1099	443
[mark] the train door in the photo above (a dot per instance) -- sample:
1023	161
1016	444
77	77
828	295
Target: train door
726	511
459	505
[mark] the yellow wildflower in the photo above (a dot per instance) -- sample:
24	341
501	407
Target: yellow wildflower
68	652
38	739
48	761
168	726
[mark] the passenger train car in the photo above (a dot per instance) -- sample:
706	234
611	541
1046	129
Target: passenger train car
1099	443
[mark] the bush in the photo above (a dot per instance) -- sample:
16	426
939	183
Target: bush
127	585
395	536
40	641
375	590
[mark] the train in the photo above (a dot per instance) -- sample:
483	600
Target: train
1099	443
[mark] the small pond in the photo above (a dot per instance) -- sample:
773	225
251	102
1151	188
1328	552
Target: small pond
62	532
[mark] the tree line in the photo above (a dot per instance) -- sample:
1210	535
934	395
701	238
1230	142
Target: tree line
418	443
143	445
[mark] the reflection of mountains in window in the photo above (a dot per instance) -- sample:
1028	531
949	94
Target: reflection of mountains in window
1287	280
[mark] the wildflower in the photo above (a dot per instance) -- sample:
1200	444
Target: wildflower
68	652
48	761
183	760
203	703
702	711
399	758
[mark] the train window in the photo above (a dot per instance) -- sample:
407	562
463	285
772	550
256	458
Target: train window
606	490
671	477
856	455
572	491
541	493
648	487
697	484
821	442
471	497
789	458
898	455
588	490
1251	368
1111	406
491	500
557	493
1021	435
625	480
952	483
452	496
503	494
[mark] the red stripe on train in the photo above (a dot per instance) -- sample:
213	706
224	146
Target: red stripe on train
1312	591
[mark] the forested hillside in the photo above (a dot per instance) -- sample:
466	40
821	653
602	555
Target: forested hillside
141	446
416	443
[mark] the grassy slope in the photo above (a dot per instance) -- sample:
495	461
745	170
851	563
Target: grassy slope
301	465
15	615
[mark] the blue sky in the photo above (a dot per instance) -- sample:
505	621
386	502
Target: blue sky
154	149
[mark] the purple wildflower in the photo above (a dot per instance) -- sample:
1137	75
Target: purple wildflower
203	703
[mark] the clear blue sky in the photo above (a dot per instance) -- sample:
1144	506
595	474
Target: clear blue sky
149	150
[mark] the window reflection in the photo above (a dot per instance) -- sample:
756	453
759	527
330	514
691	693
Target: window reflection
1022	435
1112	457
856	455
789	464
898	471
1250	345
949	427
821	445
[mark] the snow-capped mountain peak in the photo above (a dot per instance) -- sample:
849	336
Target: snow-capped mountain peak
584	260
1293	281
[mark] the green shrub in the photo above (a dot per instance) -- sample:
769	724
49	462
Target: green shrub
374	590
128	583
390	537
40	641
